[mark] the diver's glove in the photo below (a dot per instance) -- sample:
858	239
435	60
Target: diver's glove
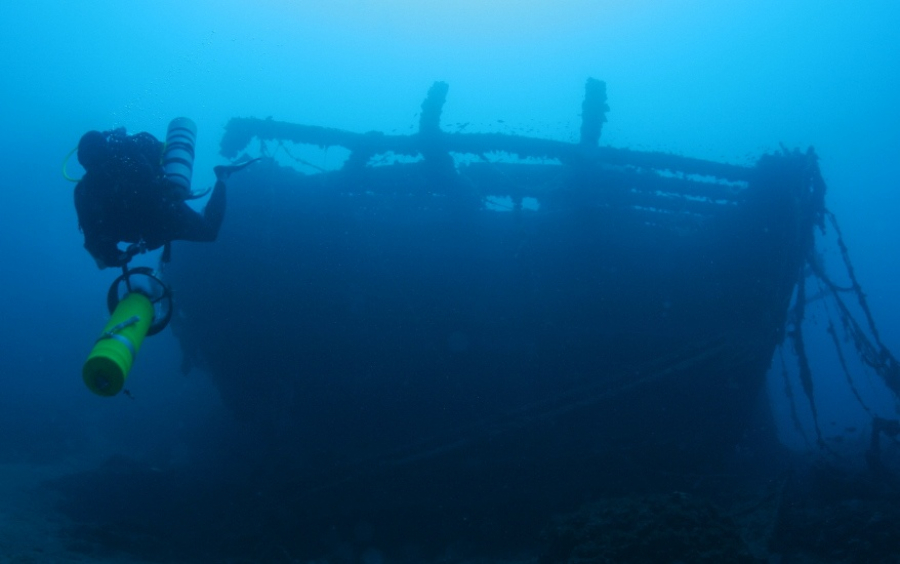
138	248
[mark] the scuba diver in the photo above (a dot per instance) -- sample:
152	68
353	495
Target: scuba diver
135	190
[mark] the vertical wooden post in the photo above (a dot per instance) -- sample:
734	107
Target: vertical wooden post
433	144
593	112
430	118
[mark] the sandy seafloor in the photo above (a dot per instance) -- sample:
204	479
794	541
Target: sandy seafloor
31	529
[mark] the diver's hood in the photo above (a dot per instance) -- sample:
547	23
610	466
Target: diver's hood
93	149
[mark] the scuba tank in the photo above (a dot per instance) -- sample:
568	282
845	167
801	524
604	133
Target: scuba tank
178	157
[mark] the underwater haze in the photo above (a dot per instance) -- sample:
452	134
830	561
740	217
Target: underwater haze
725	81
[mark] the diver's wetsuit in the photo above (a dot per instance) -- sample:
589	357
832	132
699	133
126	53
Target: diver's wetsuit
125	197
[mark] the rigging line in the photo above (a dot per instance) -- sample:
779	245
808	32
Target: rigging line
298	159
879	358
820	274
789	392
852	274
840	352
880	361
805	373
516	419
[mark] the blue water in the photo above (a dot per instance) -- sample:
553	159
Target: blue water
724	81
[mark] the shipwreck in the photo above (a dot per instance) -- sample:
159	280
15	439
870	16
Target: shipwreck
452	323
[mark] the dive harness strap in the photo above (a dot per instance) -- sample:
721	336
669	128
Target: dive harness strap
113	333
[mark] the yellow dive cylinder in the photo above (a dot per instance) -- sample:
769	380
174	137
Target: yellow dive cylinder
110	360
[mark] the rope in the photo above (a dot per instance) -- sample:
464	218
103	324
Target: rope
298	159
806	379
840	352
872	352
854	283
789	392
